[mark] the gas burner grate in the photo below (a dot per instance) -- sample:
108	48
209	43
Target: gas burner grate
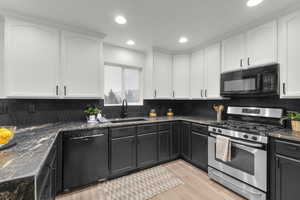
255	128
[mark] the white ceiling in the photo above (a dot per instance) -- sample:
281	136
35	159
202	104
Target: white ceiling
156	23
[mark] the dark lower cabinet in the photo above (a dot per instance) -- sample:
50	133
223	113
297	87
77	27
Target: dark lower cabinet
147	149
284	170
199	149
175	139
128	148
287	178
186	140
123	155
164	145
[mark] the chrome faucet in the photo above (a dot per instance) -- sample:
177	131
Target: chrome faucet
124	110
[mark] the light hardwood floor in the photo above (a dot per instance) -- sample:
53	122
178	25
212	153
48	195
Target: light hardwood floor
197	186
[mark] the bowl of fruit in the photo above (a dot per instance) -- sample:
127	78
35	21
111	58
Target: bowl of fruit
6	135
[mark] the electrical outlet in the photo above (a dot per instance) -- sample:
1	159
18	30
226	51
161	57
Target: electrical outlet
31	108
3	108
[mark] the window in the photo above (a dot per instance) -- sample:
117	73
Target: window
120	83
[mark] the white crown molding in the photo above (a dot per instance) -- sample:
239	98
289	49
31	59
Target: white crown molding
40	20
162	50
128	49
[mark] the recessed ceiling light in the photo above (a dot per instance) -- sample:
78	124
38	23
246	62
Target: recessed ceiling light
252	3
120	19
130	42
183	40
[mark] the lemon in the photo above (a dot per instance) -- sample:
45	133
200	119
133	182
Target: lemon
5	133
3	141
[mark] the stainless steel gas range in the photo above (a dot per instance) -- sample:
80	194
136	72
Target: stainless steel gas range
247	128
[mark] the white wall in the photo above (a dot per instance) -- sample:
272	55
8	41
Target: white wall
123	56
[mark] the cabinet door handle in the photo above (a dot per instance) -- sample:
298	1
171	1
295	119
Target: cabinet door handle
283	89
155	93
241	63
173	94
56	90
248	61
205	92
201	93
65	90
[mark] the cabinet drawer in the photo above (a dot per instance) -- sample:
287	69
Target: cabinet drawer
288	149
200	128
123	131
143	129
164	126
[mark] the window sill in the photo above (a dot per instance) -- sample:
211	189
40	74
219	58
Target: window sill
132	104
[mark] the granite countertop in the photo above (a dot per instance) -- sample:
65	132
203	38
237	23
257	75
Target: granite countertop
286	134
34	143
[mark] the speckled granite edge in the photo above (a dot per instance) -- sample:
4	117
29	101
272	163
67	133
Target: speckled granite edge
18	189
286	134
34	144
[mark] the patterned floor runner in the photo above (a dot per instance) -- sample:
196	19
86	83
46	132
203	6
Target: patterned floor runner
142	185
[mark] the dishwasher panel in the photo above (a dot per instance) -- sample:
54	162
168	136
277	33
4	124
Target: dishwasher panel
85	157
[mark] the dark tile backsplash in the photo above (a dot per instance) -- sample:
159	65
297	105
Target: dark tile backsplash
34	112
205	107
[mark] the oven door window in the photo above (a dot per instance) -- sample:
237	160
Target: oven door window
248	84
241	159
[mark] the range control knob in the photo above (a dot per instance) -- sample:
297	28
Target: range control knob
254	138
214	130
219	131
246	136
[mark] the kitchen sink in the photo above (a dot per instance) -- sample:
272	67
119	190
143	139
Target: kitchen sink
127	120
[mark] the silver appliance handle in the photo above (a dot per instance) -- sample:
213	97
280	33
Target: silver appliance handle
242	142
87	137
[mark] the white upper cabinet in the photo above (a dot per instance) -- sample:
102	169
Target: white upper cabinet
181	76
262	44
31	60
162	75
197	75
45	62
2	76
81	60
255	47
289	48
212	63
148	77
233	53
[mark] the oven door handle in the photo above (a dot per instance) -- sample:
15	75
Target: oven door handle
242	142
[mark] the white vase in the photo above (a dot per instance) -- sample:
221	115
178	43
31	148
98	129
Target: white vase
92	119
